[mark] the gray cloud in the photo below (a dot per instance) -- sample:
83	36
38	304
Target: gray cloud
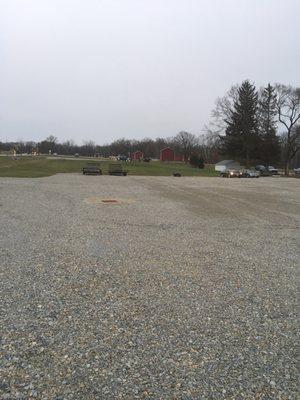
104	69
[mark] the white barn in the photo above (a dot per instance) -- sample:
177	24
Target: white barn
224	165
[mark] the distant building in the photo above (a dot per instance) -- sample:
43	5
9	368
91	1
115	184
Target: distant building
178	157
168	154
137	155
224	165
35	152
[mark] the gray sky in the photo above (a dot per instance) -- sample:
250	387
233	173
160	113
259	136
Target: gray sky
104	69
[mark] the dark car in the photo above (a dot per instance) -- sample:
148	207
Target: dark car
260	168
266	171
263	170
230	173
122	157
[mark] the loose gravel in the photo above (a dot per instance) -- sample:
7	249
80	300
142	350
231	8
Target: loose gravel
185	288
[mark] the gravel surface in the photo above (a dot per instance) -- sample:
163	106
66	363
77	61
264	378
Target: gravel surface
183	289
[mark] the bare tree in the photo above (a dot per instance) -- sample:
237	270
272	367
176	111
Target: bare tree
186	142
88	148
51	139
292	146
209	145
48	145
222	112
288	107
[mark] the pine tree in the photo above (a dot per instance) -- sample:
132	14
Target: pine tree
242	137
270	144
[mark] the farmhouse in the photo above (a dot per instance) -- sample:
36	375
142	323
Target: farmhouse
224	165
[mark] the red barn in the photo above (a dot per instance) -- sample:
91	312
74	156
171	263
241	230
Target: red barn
178	157
167	154
137	155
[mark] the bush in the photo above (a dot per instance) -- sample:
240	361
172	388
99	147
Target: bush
196	161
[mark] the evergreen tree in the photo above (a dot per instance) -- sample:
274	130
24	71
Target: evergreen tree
196	161
270	144
241	140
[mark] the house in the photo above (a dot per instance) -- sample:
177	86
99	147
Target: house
137	155
224	165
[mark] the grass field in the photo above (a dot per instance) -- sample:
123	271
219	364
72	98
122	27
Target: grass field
34	167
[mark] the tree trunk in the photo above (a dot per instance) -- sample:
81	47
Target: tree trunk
247	159
288	155
287	160
286	167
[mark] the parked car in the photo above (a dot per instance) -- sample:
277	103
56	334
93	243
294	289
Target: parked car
272	170
263	170
249	173
76	155
297	170
121	157
230	173
260	168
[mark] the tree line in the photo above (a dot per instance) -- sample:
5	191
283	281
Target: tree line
258	126
247	124
184	143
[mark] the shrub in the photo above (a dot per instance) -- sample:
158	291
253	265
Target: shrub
196	161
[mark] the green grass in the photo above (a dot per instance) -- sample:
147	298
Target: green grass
35	167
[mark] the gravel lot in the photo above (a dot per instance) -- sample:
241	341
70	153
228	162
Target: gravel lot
184	289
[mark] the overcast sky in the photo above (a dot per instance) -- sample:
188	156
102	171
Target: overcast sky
104	69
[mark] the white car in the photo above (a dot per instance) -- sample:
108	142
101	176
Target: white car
297	170
249	173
